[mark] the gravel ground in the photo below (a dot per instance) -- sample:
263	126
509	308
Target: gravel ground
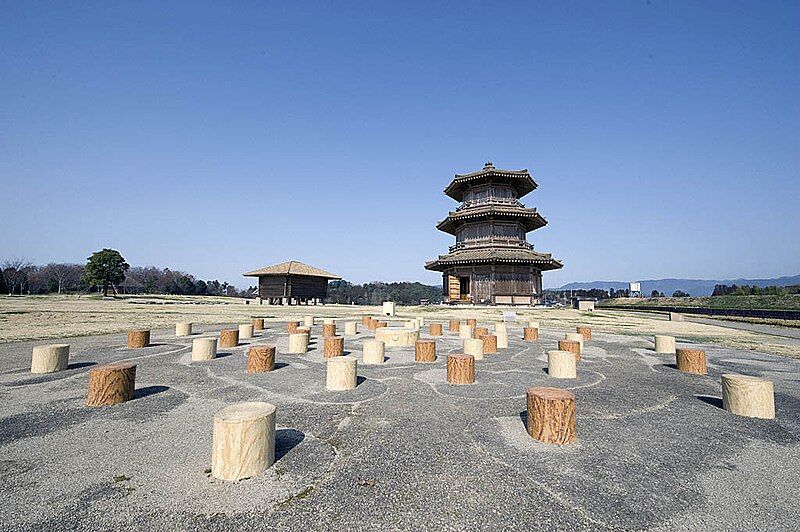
402	451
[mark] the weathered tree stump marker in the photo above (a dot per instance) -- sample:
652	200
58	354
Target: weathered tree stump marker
665	344
333	346
502	339
480	332
460	369
260	358
584	331
350	328
341	374
204	349
489	344
49	358
472	322
572	346
748	396
551	415
111	384
425	351
183	328
258	324
243	441
292	326
374	352
138	339
691	361
380	324
435	329
328	329
298	343
306	331
246	330
474	347
229	337
454	325
561	365
530	334
465	331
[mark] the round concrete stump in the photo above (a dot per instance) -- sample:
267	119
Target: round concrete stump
243	441
474	347
500	326
308	321
435	329
748	396
425	351
575	337
350	328
49	358
530	334
480	332
258	324
333	346
691	361
665	344
572	346
246	330
397	337
454	325
460	369
584	331
465	331
551	415
328	321
561	365
489	344
374	352
261	359
502	339
304	330
183	329
138	339
229	338
328	329
111	384
204	349
298	343
534	324
341	374
412	324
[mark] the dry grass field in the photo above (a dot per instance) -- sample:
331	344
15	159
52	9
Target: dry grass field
49	317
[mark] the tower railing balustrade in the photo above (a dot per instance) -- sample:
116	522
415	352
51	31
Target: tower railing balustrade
490	242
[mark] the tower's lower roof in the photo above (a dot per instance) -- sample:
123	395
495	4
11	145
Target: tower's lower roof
529	218
488	255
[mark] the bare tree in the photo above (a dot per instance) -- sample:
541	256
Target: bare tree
15	272
64	275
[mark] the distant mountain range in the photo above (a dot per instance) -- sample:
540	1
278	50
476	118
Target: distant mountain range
694	287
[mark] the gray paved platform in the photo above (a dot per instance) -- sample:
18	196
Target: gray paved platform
404	450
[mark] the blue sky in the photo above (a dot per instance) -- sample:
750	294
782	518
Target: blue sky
220	138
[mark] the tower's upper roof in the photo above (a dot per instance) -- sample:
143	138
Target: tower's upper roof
521	180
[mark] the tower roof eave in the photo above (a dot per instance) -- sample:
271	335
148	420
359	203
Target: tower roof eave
521	180
542	261
529	218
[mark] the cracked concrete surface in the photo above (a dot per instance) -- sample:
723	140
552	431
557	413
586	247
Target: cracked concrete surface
404	450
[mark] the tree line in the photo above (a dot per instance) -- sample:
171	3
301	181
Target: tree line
402	293
104	271
744	290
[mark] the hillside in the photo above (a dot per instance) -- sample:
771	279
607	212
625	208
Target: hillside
694	287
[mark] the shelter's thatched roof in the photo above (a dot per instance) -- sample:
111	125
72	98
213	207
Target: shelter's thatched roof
292	267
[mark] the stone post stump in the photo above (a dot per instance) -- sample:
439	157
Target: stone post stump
374	352
341	374
183	328
489	344
502	339
308	321
561	365
328	329
748	396
243	441
551	415
350	328
204	349
665	344
246	330
575	337
572	346
465	331
530	334
472	322
298	343
258	324
50	358
474	347
435	329
584	331
454	325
